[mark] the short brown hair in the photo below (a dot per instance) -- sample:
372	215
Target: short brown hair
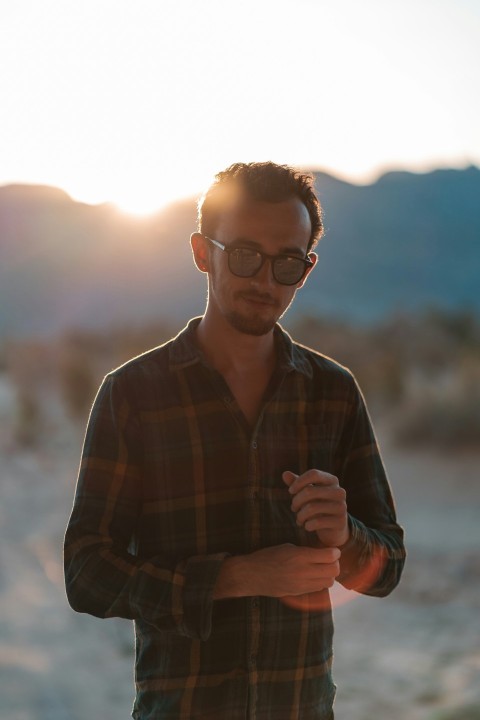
265	181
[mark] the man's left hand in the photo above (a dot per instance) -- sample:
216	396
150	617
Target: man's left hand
320	505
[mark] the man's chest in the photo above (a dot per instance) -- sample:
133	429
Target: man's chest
212	483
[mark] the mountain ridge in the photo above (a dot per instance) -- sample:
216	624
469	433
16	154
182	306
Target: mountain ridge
403	242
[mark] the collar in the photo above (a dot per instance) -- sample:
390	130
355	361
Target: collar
183	350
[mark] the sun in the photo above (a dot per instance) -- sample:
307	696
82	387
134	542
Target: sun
142	201
153	191
139	196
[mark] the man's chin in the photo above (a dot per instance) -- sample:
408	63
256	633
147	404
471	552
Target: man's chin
251	325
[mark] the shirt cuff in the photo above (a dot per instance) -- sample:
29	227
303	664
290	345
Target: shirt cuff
354	555
201	574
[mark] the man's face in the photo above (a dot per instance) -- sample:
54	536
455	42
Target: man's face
253	305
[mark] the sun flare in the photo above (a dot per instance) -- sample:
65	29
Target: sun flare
141	196
138	104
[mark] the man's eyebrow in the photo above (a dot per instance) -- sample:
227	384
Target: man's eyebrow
286	250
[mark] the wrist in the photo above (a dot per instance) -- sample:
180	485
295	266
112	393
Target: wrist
233	579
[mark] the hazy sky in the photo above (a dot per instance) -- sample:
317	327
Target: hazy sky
139	101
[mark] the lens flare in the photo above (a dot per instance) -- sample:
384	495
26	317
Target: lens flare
361	581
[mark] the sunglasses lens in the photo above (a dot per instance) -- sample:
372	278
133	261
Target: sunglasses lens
288	270
244	262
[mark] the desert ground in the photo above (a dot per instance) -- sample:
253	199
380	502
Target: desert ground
412	656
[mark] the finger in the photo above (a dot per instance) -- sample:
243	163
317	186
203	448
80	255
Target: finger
322	556
288	477
323	510
323	499
324	571
312	478
321	517
320	523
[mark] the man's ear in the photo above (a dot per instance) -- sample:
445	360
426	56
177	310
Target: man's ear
200	251
313	257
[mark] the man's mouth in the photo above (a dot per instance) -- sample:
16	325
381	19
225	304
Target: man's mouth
258	299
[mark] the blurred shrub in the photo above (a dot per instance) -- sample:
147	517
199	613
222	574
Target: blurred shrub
3	358
86	356
423	371
28	419
54	376
28	366
443	411
77	383
372	354
465	712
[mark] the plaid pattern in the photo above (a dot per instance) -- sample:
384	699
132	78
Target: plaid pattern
173	479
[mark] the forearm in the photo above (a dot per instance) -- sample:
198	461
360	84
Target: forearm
277	571
105	580
234	579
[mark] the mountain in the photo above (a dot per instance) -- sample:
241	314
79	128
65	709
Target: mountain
402	243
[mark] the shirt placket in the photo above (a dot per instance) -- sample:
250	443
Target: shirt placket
253	602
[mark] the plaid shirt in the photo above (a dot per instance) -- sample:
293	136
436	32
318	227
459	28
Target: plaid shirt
173	479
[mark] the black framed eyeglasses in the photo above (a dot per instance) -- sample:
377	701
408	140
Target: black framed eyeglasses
246	262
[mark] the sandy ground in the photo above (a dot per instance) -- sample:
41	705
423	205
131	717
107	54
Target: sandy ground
412	656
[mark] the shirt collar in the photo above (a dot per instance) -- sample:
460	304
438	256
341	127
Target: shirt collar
184	351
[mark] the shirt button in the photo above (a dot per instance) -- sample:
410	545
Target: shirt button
254	445
255	603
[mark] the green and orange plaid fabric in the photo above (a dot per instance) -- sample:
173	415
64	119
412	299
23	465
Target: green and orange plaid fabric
173	479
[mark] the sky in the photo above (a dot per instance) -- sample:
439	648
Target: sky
140	102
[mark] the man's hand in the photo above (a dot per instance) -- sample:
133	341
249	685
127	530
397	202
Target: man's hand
279	571
320	505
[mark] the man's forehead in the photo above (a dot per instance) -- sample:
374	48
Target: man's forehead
245	217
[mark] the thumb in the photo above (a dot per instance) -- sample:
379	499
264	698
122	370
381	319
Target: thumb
288	477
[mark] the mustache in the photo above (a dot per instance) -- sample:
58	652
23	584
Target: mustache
258	297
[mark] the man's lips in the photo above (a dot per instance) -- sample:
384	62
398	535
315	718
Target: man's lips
258	299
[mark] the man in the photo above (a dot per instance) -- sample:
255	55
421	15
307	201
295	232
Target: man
229	477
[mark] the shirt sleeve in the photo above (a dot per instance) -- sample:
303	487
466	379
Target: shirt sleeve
373	558
103	575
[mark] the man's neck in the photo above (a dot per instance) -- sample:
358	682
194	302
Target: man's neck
231	351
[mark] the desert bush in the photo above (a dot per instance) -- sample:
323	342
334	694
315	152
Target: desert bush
372	354
465	712
3	358
28	418
28	367
86	356
423	370
78	383
443	410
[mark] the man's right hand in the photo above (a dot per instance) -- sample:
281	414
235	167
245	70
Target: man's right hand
279	571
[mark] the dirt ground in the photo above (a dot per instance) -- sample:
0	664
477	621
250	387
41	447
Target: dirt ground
412	656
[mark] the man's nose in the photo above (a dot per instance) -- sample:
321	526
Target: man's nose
265	275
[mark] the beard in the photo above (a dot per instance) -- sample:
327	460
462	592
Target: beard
251	325
254	323
251	320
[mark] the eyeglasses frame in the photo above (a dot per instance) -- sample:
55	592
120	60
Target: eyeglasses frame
265	256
